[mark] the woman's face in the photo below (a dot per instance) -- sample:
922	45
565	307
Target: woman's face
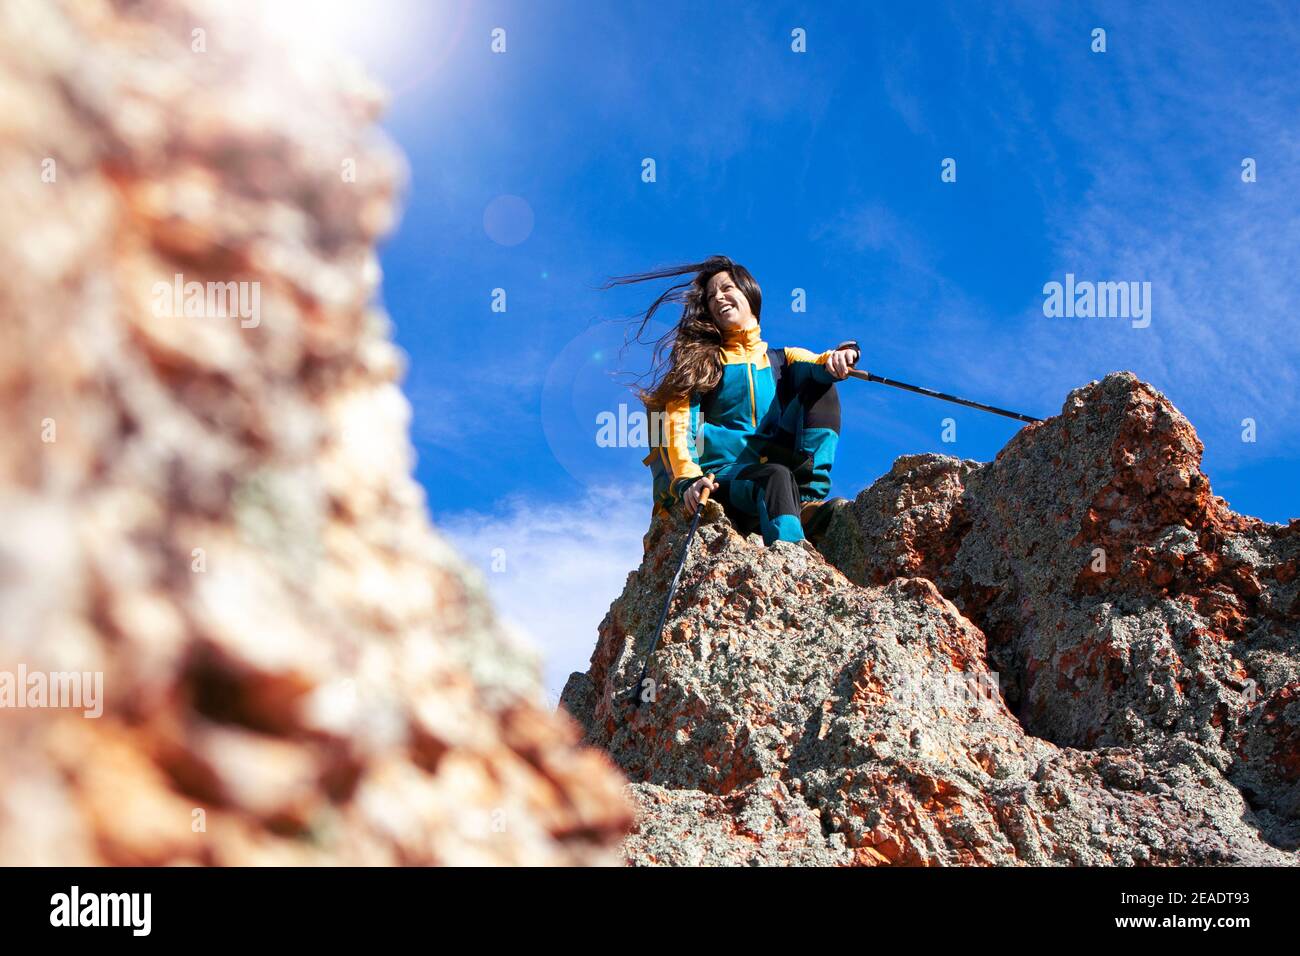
727	304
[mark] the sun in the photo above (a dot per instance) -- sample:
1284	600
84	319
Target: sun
323	23
404	42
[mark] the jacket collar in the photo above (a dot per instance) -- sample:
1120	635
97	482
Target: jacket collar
746	346
745	338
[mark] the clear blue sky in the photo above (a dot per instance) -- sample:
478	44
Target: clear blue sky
821	171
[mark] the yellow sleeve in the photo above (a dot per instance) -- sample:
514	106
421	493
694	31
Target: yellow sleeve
796	354
677	434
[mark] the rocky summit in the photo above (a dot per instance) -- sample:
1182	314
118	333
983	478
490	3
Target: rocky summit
1075	654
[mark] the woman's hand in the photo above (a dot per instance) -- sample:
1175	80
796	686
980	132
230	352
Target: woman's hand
692	497
839	362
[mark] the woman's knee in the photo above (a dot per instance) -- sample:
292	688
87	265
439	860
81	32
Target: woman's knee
782	490
780	476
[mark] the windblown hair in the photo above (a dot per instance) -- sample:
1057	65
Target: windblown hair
687	358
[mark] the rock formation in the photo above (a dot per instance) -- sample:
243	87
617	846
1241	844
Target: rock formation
213	508
1074	654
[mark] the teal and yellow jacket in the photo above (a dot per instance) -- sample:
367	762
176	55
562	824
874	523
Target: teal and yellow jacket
759	411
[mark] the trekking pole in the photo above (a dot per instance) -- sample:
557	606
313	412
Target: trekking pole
869	377
672	589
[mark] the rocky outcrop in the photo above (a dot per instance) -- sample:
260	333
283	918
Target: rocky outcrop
211	508
1074	654
1122	601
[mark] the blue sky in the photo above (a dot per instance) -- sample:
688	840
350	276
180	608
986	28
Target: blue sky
821	171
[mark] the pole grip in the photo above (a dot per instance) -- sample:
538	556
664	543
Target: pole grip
704	495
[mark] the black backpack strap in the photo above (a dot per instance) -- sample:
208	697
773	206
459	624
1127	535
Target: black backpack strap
776	357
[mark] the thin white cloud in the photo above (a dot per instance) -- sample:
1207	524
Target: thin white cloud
1221	255
1222	331
446	413
554	568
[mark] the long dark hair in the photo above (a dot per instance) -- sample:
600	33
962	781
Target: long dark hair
687	358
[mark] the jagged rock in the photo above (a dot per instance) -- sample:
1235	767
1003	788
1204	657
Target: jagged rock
908	523
1123	602
218	514
877	698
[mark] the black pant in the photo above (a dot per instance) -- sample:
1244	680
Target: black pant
764	498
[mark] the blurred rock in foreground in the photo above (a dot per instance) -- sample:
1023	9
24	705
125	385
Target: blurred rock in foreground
207	499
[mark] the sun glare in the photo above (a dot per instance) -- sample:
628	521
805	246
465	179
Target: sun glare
331	23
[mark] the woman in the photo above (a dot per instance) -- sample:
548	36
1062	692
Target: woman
764	422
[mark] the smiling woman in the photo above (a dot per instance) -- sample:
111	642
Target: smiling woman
764	422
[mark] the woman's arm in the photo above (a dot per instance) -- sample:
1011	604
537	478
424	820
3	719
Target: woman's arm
834	364
815	412
679	442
